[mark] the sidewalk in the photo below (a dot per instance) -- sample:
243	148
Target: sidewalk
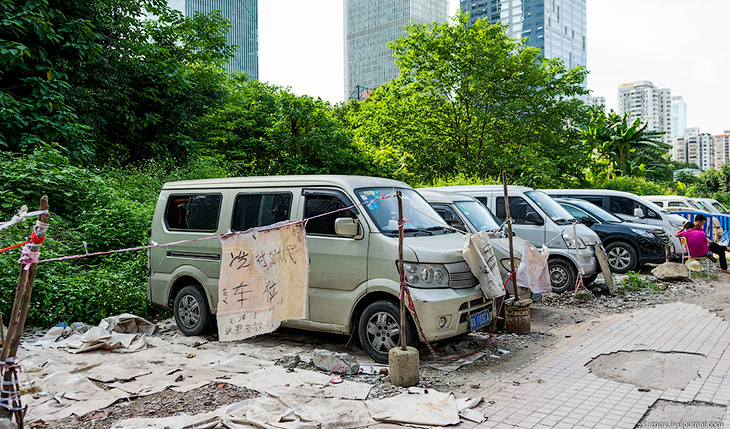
562	392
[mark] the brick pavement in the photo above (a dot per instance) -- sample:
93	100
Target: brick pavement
561	392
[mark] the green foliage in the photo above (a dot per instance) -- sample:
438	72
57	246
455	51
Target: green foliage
635	185
635	282
460	179
93	78
622	148
472	100
264	130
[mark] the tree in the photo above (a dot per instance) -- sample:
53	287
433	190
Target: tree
624	148
94	78
267	130
472	100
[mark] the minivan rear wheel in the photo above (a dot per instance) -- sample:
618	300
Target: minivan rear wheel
379	330
191	310
562	275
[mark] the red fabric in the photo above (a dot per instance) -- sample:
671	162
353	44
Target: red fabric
696	242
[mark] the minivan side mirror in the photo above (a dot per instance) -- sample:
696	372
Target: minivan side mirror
346	226
534	218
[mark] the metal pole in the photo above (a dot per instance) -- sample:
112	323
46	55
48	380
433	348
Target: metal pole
402	333
509	230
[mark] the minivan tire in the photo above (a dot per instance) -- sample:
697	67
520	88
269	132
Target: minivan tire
377	326
192	313
622	257
562	275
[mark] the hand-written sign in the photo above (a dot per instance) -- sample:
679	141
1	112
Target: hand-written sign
264	279
479	255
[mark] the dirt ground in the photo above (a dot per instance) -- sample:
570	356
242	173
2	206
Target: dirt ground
489	373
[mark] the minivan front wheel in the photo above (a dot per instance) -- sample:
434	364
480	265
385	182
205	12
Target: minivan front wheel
379	330
191	311
562	275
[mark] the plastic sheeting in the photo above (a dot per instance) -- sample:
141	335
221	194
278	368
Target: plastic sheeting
533	271
479	255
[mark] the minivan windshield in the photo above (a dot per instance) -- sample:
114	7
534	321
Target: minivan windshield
478	215
558	214
421	218
720	207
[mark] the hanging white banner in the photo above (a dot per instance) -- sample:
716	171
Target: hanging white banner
264	279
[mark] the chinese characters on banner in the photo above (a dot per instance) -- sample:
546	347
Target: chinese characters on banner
479	255
264	279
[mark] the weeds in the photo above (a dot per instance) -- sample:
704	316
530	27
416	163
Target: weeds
635	282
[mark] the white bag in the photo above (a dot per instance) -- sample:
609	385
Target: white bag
479	255
533	271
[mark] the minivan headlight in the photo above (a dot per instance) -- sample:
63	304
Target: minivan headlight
506	264
570	241
426	275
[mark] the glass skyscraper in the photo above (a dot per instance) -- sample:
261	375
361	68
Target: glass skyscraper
557	27
369	27
244	32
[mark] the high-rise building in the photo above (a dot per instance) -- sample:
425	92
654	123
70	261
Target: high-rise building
722	148
369	27
557	27
244	32
597	101
695	147
679	115
641	99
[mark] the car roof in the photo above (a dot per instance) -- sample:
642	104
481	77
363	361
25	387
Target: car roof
443	197
465	189
666	198
346	182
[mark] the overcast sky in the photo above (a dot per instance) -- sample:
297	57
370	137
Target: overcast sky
680	45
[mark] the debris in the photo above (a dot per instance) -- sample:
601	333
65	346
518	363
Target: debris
431	409
341	363
335	380
671	271
189	355
584	295
290	360
383	371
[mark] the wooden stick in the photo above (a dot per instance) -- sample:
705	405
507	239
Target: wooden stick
402	272
509	230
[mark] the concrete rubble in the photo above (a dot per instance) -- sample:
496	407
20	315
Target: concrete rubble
340	363
671	271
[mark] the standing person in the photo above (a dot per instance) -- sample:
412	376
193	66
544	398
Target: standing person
699	245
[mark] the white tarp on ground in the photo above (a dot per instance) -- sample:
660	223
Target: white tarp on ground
264	279
479	255
533	271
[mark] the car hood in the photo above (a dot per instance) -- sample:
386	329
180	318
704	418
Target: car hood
586	234
434	249
501	247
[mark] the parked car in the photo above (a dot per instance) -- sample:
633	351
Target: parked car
469	215
673	203
540	220
354	280
628	245
711	206
629	207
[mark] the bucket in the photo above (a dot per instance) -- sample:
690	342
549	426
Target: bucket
518	319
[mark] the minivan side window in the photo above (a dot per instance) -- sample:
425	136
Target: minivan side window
518	207
253	210
315	205
597	200
626	206
677	204
193	212
448	214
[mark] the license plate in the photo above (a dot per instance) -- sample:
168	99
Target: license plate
478	320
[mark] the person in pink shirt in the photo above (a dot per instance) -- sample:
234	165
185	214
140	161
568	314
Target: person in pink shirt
699	245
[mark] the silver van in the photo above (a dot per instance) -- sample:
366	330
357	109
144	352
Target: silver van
353	281
540	220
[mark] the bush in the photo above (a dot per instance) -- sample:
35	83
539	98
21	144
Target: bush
635	185
111	209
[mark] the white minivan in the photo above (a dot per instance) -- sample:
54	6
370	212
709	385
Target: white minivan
540	220
353	253
630	207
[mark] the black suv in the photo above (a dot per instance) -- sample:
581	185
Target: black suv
628	245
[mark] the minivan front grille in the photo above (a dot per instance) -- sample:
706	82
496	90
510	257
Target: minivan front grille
473	307
460	276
